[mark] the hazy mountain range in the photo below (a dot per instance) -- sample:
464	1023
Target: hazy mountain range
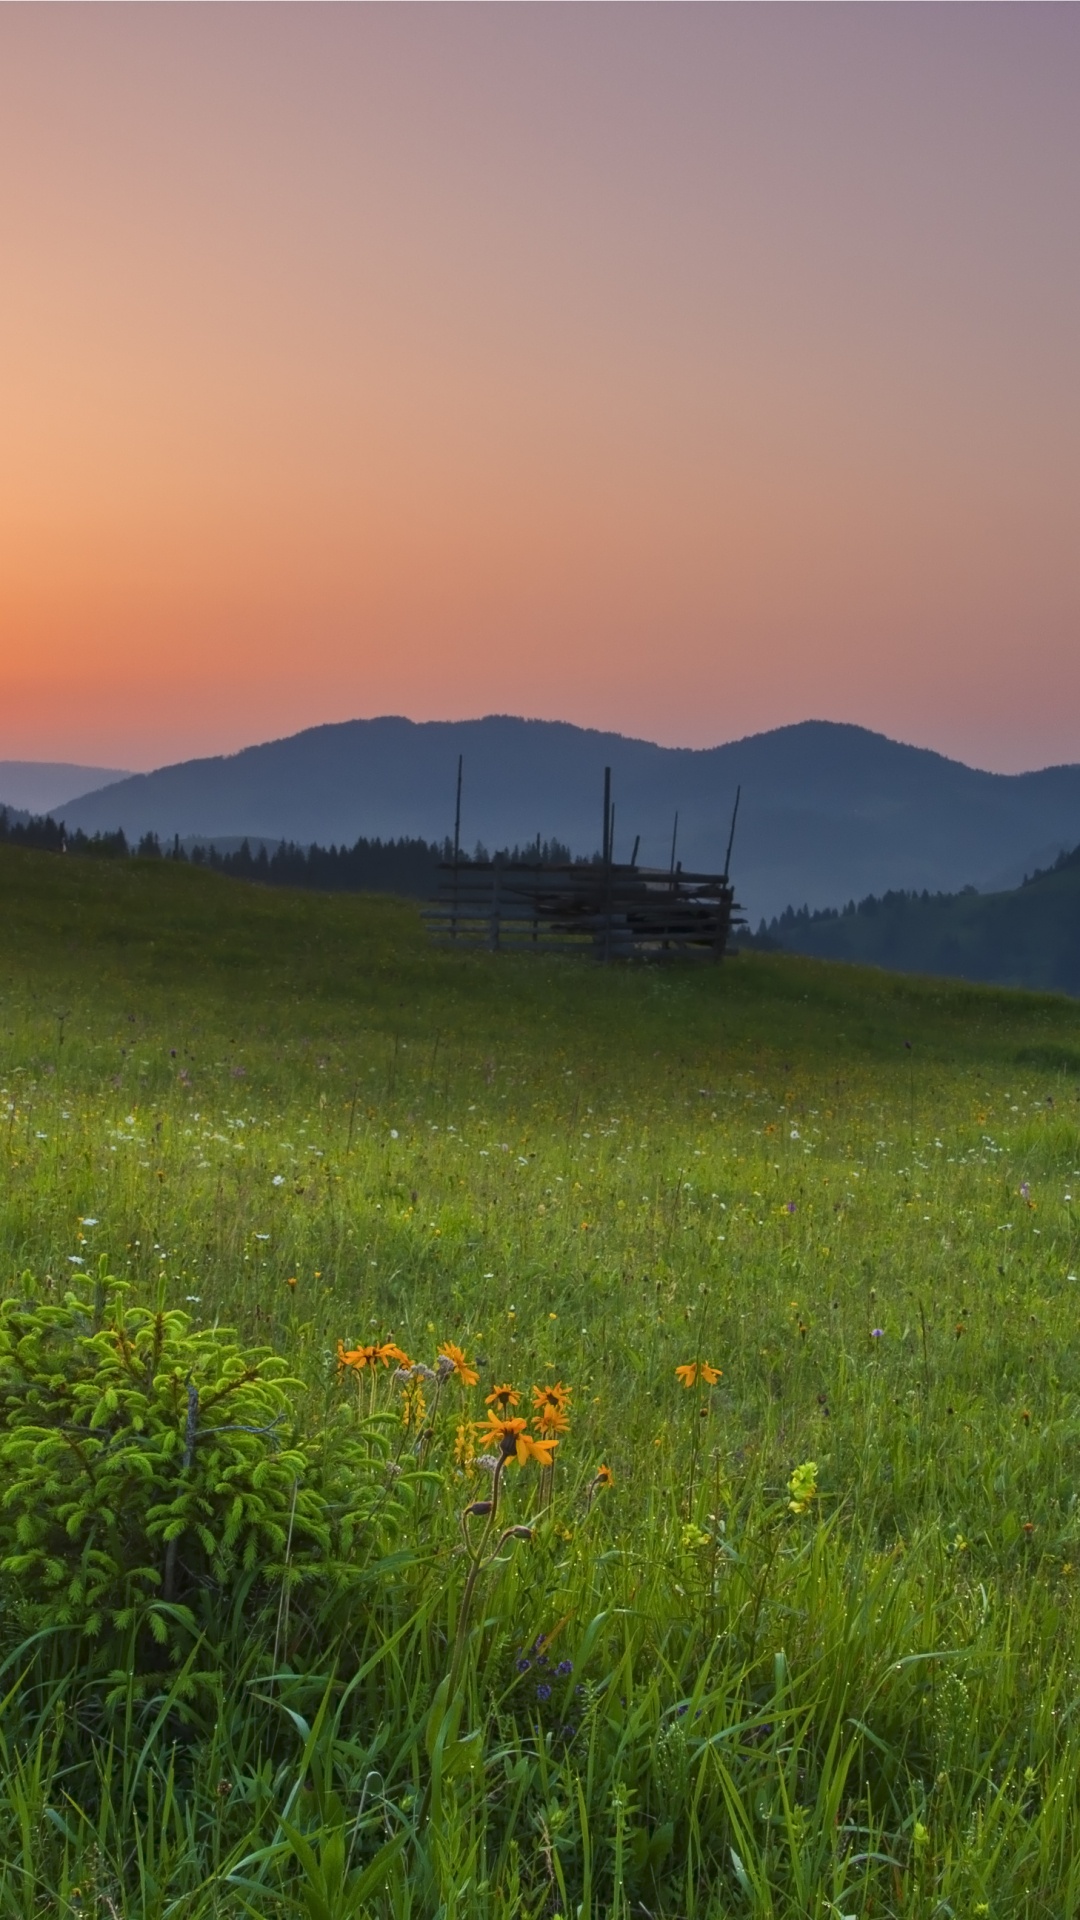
39	786
828	811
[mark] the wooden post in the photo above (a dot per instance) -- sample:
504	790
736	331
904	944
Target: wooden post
609	835
457	846
607	814
731	835
493	925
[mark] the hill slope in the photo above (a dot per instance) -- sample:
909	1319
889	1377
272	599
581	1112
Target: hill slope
828	811
1029	937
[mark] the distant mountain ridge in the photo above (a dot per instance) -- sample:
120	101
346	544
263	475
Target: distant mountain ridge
38	786
828	811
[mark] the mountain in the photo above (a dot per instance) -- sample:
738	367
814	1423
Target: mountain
828	811
1027	937
39	786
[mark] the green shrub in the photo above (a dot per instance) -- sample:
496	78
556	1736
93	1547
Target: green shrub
152	1474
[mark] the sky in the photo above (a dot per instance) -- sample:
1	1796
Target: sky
683	370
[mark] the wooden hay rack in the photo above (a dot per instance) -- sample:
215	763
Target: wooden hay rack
610	910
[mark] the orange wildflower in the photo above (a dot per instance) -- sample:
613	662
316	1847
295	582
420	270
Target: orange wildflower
552	1420
604	1477
388	1351
555	1395
503	1398
458	1363
696	1370
360	1357
513	1442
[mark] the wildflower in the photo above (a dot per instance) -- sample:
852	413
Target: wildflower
388	1351
694	1536
803	1487
413	1405
465	1445
603	1477
564	1667
543	1692
488	1461
552	1420
291	1283
556	1396
523	1665
515	1443
360	1357
502	1398
696	1370
877	1333
452	1360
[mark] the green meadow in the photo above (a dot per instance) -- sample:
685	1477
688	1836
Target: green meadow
802	1639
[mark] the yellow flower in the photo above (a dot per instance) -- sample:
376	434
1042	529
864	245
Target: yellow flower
360	1357
458	1363
465	1444
413	1405
552	1420
803	1487
696	1370
503	1398
604	1477
513	1442
555	1395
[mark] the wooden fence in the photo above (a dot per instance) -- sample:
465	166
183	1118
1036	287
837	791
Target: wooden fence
613	912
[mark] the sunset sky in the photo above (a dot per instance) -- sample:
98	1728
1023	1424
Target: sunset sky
686	370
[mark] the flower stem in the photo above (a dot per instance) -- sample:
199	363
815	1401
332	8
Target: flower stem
476	1559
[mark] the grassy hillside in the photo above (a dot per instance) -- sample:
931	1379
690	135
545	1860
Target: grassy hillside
1028	937
813	1651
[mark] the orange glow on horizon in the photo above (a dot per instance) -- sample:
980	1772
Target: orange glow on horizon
632	367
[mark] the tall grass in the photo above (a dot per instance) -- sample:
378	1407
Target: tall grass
850	1193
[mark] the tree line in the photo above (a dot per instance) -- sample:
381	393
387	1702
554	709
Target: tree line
405	866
